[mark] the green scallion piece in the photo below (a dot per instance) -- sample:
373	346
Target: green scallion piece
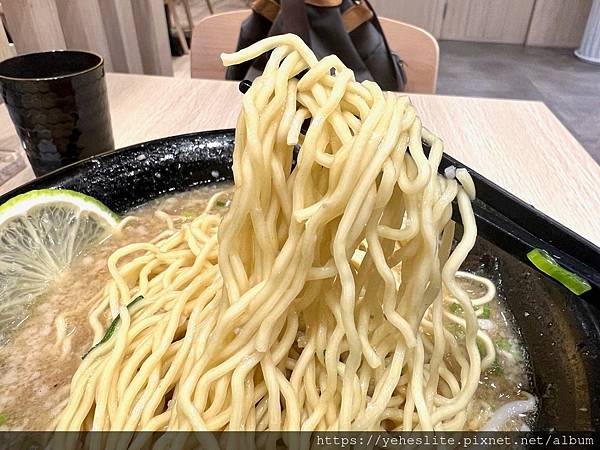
456	309
495	368
221	204
481	347
503	344
112	327
187	214
2	419
485	312
547	264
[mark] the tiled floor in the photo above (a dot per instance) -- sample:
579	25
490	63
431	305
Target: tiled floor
569	87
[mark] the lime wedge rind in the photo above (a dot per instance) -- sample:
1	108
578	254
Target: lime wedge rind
42	233
21	203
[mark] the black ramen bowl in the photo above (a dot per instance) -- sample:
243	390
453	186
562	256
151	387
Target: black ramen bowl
561	331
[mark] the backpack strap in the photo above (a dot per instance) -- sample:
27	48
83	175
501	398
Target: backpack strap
266	8
356	15
353	17
323	3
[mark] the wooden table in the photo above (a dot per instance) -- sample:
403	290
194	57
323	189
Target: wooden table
519	145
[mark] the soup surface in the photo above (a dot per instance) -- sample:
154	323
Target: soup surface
508	379
39	359
35	366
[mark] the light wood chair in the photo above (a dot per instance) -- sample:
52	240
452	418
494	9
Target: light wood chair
212	36
219	33
418	49
7	50
172	8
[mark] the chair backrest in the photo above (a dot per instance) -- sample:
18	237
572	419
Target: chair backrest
212	36
418	49
219	33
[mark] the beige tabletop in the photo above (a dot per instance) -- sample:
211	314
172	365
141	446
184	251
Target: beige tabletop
519	145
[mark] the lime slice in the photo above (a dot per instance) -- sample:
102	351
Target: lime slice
41	233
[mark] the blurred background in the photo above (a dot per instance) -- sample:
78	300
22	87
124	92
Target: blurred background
517	49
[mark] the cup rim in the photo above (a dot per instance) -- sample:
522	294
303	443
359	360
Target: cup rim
69	75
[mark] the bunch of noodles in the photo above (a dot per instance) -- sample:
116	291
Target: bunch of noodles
330	306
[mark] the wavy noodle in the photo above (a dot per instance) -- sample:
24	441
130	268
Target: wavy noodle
322	304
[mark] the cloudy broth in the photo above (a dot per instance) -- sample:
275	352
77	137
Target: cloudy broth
36	366
36	370
509	378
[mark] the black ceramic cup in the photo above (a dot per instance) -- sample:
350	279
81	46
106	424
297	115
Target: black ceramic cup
57	101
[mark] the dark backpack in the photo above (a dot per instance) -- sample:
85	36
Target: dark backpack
346	28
